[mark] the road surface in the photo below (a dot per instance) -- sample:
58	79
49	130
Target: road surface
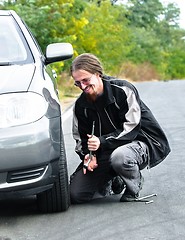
108	219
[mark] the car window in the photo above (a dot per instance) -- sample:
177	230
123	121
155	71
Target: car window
13	46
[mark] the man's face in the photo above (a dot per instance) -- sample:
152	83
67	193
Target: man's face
89	83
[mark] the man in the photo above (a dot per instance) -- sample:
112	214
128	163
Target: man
115	132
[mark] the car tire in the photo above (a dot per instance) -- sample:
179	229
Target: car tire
57	198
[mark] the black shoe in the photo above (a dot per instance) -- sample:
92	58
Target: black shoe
130	197
117	185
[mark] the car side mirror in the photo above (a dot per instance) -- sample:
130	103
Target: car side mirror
56	52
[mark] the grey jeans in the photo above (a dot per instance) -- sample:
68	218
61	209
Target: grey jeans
127	161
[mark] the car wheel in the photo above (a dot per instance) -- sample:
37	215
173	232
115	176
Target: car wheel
56	199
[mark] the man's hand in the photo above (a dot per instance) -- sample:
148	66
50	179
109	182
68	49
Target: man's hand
93	142
92	164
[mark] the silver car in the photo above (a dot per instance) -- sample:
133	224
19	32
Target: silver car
32	151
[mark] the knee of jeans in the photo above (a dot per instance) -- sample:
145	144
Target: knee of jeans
121	160
117	159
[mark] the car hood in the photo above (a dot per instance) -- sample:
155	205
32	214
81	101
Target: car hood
16	78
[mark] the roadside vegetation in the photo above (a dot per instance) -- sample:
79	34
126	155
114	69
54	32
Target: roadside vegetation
139	41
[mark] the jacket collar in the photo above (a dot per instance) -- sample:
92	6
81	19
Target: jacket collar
108	94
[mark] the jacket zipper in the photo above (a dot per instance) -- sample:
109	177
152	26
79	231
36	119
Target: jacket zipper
153	139
109	119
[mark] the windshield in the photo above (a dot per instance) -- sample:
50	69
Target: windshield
13	47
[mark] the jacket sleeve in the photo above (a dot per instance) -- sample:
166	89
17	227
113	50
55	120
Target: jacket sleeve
129	117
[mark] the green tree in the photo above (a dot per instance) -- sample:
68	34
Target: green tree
155	35
144	13
52	21
48	20
171	14
143	31
106	34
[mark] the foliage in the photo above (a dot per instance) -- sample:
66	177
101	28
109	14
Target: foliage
176	61
156	35
106	34
141	35
145	13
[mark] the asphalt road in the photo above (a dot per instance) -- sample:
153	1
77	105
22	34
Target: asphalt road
108	219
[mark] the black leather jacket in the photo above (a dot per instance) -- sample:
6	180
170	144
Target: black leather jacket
120	117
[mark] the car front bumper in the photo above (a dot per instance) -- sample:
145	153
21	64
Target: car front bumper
29	155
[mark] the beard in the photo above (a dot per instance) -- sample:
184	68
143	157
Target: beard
93	96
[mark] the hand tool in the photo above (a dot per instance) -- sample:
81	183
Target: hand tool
145	198
90	153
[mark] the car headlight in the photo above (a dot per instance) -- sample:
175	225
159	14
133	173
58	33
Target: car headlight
21	108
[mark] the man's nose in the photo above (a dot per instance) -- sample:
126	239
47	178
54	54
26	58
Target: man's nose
82	85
